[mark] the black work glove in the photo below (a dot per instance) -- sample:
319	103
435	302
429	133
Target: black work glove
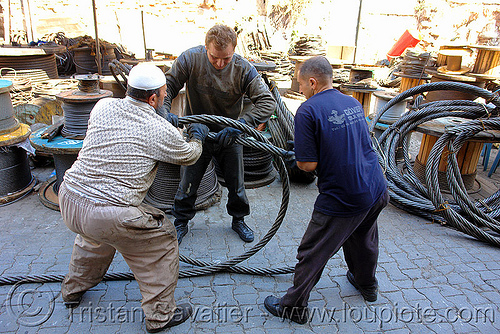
227	136
173	119
198	131
289	159
289	156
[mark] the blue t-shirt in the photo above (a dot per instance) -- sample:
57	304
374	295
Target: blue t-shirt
330	129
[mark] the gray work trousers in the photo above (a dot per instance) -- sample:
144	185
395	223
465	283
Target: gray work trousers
143	235
357	235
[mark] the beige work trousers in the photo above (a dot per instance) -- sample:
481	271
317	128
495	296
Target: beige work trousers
143	235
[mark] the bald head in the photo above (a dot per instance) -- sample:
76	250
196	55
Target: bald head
319	68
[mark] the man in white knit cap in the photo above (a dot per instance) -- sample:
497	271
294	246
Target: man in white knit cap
101	195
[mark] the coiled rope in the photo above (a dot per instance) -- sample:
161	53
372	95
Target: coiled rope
475	218
256	141
76	118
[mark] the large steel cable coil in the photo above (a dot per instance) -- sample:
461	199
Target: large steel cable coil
164	187
76	118
15	173
45	63
202	267
426	200
470	218
259	142
259	169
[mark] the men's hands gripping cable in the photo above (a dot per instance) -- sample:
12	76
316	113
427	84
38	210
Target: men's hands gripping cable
198	131
227	136
173	119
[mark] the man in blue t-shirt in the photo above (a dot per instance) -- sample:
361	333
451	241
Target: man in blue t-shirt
332	138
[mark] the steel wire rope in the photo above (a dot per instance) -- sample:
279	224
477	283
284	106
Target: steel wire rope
457	187
452	217
257	141
407	191
116	67
400	129
455	140
418	197
76	117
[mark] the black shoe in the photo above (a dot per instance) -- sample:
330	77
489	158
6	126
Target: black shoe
73	300
370	295
181	226
298	314
182	313
245	232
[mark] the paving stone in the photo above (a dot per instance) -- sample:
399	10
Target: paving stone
403	261
474	297
202	292
246	299
432	294
492	265
399	331
393	271
448	290
244	289
413	294
488	275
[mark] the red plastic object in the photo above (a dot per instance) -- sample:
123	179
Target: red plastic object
405	41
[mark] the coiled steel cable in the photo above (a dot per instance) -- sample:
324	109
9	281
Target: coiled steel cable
15	173
117	68
453	139
76	118
164	187
202	267
408	193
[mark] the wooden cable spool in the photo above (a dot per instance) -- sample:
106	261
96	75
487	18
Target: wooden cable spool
487	64
364	97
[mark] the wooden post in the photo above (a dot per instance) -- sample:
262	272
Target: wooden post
357	31
30	22
97	47
25	27
6	23
144	36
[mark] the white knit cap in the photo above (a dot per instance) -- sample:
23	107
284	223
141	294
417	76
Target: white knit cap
146	76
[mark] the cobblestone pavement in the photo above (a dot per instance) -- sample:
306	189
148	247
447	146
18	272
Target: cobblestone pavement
432	278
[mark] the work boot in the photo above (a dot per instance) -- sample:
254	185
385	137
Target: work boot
70	300
181	226
182	313
370	295
298	314
245	232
